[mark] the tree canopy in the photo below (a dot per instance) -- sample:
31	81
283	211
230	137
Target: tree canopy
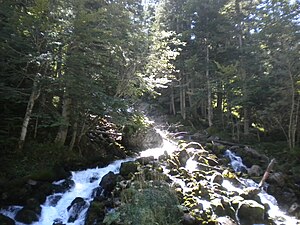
227	64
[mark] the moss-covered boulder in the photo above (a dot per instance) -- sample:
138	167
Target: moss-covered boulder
250	212
147	206
95	213
26	216
128	168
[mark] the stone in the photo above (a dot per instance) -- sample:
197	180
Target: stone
217	178
218	207
225	220
4	220
277	179
108	182
183	156
128	168
75	208
26	216
145	160
255	171
188	219
250	212
95	213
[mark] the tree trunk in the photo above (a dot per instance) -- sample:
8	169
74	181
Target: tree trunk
172	103
294	111
63	129
246	121
34	95
182	99
74	136
209	97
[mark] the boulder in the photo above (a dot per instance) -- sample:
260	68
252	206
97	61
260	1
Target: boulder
142	138
225	220
255	171
4	220
183	157
217	178
145	160
276	178
108	182
63	186
188	219
75	208
250	212
128	168
26	216
95	213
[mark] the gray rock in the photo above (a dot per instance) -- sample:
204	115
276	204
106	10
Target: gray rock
226	220
255	171
250	212
108	182
217	178
128	168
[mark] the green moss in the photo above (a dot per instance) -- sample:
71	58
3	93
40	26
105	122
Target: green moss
148	206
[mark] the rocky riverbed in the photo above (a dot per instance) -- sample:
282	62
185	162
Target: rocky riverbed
189	184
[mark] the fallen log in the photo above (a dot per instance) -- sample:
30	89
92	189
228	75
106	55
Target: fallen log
267	173
228	143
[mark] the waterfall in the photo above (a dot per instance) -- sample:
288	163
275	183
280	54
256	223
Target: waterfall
57	210
274	212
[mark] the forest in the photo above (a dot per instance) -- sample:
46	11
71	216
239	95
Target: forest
70	69
75	73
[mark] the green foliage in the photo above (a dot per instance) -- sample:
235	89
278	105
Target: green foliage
148	206
136	123
36	157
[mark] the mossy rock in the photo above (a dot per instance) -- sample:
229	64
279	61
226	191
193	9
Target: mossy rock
148	206
95	213
128	168
250	212
26	216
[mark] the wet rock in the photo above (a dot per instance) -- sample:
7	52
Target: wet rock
145	160
4	220
211	160
218	207
188	219
26	216
217	178
250	193
34	205
95	213
63	186
255	171
294	209
250	212
108	182
128	168
183	156
225	220
75	208
277	179
58	222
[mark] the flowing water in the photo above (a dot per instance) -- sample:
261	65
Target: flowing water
274	212
55	209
